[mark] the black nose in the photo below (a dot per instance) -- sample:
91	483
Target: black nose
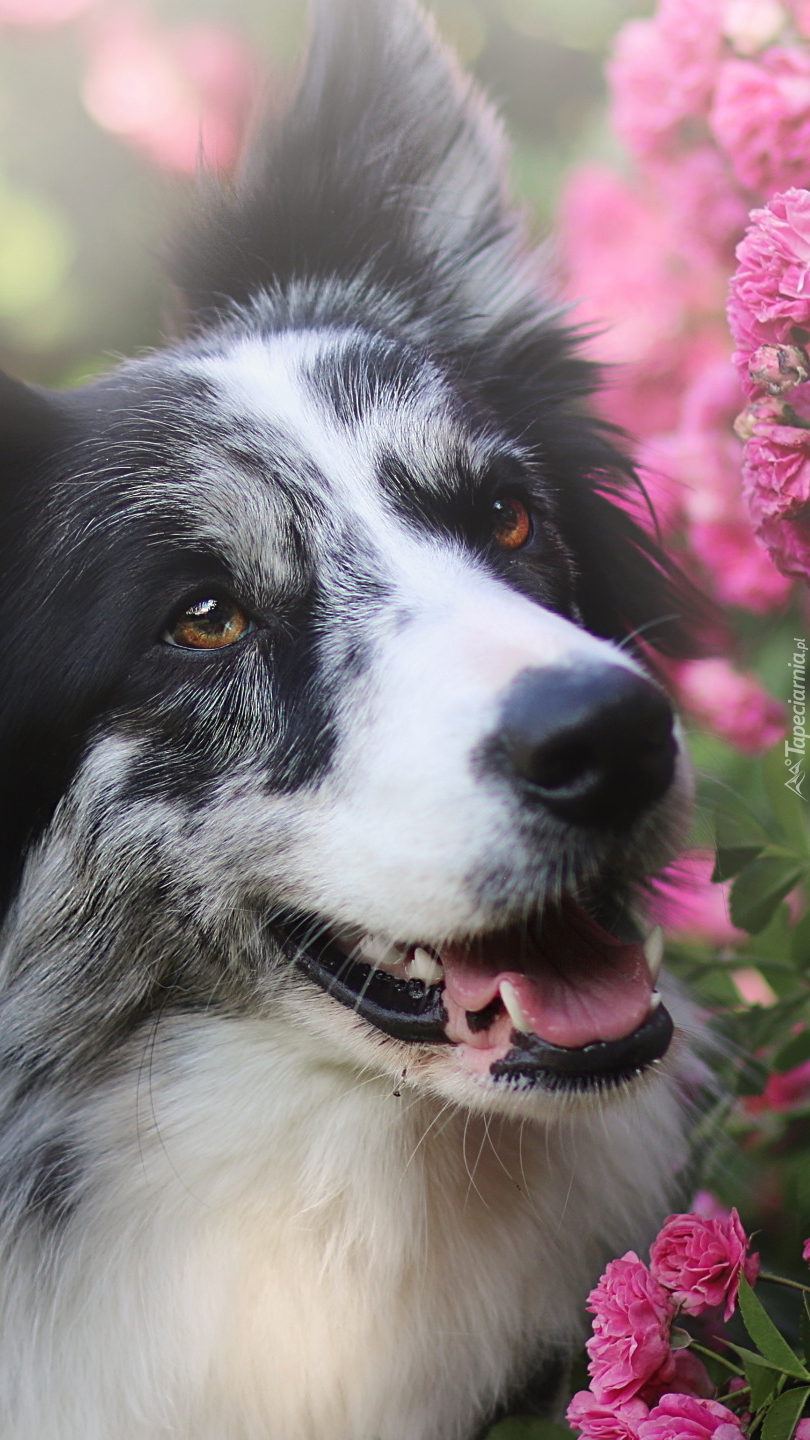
593	744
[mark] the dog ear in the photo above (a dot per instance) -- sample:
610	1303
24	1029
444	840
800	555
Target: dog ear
387	168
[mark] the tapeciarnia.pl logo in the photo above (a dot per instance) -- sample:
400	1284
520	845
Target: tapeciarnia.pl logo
797	743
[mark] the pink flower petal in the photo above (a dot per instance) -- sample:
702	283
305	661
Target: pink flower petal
700	1261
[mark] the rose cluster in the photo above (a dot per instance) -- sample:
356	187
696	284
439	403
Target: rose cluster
712	99
769	314
642	1386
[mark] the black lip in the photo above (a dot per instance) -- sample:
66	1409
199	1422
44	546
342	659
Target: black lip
532	1061
408	1010
404	1009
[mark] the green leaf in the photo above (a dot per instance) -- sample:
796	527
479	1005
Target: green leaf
752	1076
749	1356
780	1417
795	1052
787	808
759	888
804	1324
679	1339
730	860
774	942
800	944
765	1335
737	826
763	1382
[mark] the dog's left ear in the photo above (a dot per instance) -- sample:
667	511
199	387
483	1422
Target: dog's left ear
387	168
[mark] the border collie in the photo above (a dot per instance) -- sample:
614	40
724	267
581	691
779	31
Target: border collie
332	1062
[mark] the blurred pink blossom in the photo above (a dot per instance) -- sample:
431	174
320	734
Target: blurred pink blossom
730	703
597	1421
743	574
761	119
782	1092
700	1261
686	902
750	25
182	95
662	72
650	301
616	245
706	1204
801	14
707	211
706	457
802	1431
806	1252
682	1417
629	1347
41	12
752	987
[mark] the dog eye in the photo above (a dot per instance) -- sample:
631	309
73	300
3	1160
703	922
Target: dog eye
209	624
511	522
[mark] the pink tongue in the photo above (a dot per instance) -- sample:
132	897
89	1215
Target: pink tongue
574	982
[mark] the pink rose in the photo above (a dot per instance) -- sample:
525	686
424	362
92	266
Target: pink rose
770	291
691	1377
730	703
802	1431
700	1261
597	1421
630	1343
681	1417
776	487
761	119
806	1252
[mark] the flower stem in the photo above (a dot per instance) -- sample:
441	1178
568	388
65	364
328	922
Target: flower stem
782	1280
712	1354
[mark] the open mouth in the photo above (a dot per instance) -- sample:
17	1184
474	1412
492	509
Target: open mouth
558	1001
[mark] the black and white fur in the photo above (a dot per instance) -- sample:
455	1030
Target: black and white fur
230	1207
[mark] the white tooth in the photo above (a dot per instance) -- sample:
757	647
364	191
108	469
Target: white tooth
425	967
654	951
511	1000
655	1000
378	950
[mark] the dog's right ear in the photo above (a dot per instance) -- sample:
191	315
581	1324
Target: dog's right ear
388	169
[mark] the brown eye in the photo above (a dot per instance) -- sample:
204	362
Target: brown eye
512	523
209	624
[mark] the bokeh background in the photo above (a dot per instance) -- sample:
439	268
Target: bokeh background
106	108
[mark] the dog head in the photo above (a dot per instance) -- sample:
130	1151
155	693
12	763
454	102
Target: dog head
319	695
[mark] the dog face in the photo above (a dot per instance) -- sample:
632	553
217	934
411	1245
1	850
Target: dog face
322	706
